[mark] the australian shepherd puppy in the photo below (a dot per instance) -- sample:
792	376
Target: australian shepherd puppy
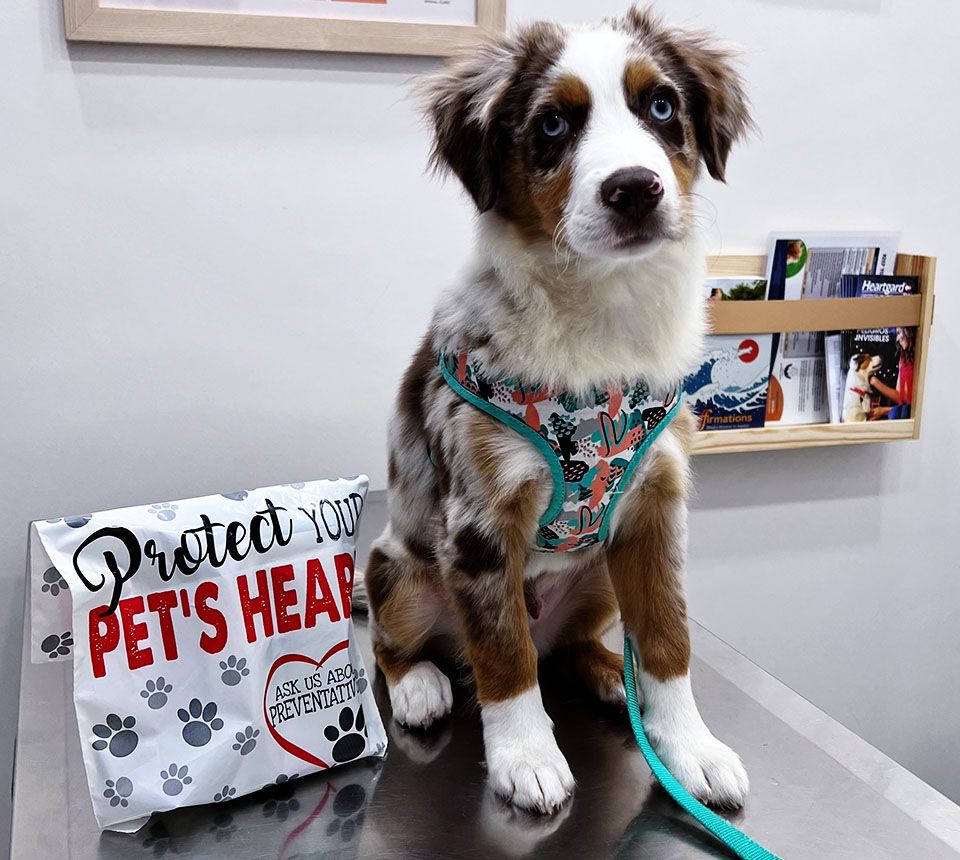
580	148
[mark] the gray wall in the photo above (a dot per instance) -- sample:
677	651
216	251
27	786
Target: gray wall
213	265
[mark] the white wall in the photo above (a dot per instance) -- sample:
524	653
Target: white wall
214	264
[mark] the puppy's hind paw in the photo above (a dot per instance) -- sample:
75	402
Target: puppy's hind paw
421	697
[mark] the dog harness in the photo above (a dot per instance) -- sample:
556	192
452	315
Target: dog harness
592	442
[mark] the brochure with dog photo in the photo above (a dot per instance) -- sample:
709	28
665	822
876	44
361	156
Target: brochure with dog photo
810	266
729	389
878	362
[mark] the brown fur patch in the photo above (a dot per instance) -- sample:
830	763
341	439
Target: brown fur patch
402	597
638	77
597	668
475	101
534	204
706	74
570	92
549	198
594	605
391	663
646	562
685	173
490	603
580	648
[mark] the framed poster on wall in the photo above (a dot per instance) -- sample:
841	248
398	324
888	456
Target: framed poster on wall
427	27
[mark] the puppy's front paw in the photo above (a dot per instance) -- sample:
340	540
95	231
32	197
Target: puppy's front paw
524	763
421	697
536	777
706	767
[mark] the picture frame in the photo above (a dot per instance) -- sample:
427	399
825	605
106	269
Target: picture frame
364	28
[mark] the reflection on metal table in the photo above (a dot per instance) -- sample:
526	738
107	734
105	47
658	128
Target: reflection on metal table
817	790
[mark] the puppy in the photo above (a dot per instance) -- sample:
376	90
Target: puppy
538	462
856	393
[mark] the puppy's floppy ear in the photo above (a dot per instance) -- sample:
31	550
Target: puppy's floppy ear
464	103
718	104
721	112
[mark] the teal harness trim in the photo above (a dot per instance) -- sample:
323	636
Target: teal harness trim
737	841
637	458
592	441
559	482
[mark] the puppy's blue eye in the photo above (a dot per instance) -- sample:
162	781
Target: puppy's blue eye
555	125
661	109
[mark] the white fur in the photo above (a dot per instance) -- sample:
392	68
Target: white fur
856	407
421	697
612	140
645	317
525	764
706	767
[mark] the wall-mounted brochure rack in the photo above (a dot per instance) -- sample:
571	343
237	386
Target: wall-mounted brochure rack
822	315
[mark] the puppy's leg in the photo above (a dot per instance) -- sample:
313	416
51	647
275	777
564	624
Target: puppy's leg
406	606
485	576
581	647
646	560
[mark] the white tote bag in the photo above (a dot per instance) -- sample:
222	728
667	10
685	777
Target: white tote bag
211	640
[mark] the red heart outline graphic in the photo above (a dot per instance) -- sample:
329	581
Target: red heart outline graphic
289	746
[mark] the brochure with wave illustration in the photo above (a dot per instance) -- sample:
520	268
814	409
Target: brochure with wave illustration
729	389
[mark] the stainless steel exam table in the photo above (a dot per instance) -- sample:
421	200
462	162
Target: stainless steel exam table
817	790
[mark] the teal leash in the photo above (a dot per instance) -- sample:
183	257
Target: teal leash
741	844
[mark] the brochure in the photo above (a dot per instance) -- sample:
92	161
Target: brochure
810	266
729	389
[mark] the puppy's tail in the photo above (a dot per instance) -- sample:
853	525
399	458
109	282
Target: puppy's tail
360	601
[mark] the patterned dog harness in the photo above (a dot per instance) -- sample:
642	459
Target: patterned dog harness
592	443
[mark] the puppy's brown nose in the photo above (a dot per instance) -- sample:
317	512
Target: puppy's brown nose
633	192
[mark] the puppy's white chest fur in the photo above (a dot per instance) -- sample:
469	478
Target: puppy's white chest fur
582	325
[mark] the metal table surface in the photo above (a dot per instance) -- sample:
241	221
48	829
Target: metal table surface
817	790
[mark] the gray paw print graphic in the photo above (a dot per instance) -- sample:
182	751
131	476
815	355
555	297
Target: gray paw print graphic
53	582
57	645
361	680
246	740
174	779
75	522
225	793
163	511
118	791
234	670
155	692
117	735
200	722
236	495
